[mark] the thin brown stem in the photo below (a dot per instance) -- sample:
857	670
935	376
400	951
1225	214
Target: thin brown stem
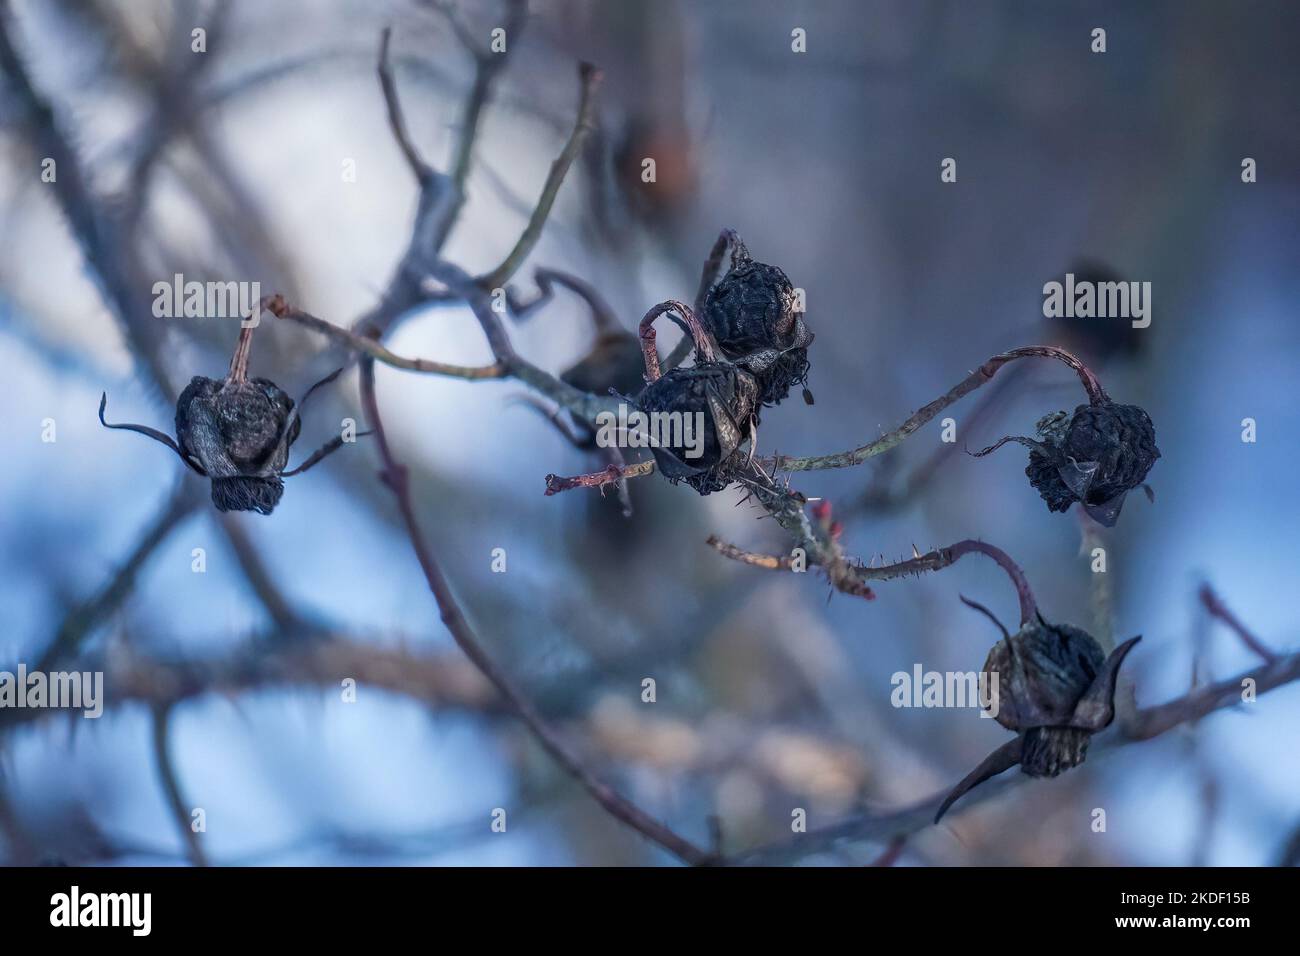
589	79
771	562
396	118
856	456
1220	611
394	475
609	475
360	343
239	361
694	331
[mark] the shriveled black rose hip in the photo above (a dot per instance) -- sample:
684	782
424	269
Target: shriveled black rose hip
751	315
1095	456
722	398
236	432
1055	690
725	399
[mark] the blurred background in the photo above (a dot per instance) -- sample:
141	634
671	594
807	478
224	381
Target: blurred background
772	693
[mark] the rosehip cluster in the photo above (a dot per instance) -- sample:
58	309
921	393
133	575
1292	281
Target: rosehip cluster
751	348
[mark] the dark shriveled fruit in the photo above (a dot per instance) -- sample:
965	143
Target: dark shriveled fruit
725	399
1055	688
235	431
1095	457
751	315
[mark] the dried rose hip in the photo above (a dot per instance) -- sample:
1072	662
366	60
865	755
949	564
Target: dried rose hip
751	315
237	431
1055	689
717	402
1095	456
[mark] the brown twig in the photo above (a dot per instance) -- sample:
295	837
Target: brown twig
1149	722
690	325
1218	610
771	562
856	456
394	475
598	479
360	343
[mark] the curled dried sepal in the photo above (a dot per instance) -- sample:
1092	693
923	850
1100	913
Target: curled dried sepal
1055	689
1095	456
751	315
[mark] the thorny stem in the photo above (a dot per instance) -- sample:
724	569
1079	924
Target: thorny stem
609	475
980	376
855	575
694	331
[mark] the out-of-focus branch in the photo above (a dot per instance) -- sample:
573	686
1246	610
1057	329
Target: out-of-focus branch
85	617
1220	611
590	79
1149	722
394	475
108	248
171	785
439	681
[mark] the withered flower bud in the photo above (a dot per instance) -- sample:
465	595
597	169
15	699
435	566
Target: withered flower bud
1095	456
751	315
236	432
721	396
1055	689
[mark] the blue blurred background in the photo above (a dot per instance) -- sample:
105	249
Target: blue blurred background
770	696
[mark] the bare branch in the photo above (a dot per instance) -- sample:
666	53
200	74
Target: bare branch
598	479
83	619
394	475
589	78
1217	609
171	786
980	376
1150	722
